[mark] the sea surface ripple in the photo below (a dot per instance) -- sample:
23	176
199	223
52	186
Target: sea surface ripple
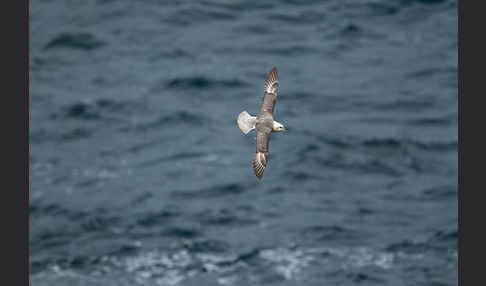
139	174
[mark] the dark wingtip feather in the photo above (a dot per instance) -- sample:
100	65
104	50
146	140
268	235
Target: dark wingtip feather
272	74
259	176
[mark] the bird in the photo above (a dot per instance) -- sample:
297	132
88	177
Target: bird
263	123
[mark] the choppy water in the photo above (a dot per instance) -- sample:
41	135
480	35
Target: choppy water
139	174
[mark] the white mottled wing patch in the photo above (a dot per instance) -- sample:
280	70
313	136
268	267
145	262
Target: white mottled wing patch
259	164
246	122
271	82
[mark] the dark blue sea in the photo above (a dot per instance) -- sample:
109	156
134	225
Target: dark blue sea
139	174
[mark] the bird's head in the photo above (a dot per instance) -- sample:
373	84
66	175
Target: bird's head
278	127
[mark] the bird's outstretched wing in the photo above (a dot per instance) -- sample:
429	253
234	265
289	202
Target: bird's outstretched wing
261	153
270	93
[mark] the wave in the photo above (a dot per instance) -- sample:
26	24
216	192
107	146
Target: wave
329	233
224	217
77	41
201	82
259	265
94	110
168	120
350	142
210	192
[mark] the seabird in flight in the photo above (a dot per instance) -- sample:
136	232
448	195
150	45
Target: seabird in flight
263	123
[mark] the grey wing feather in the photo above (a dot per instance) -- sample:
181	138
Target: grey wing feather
270	92
262	140
261	153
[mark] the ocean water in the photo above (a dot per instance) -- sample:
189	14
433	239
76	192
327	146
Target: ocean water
139	174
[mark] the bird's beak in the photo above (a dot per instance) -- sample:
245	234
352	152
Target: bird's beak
286	130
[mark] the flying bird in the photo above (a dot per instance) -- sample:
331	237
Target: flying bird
263	123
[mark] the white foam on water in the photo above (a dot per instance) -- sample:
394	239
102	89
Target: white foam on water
362	257
161	268
358	257
228	280
287	262
55	275
171	277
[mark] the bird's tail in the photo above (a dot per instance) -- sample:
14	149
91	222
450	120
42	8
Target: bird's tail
246	122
